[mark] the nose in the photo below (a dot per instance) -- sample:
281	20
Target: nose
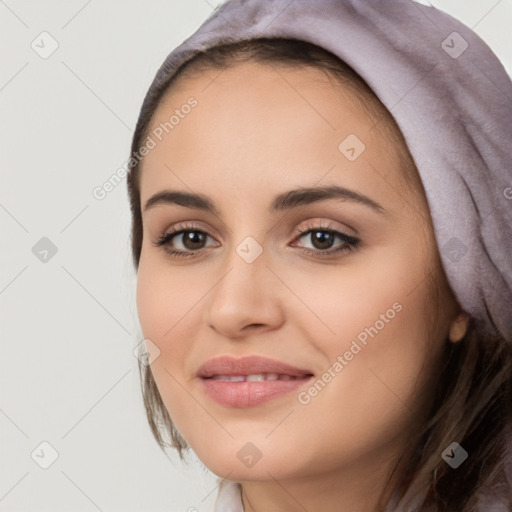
246	298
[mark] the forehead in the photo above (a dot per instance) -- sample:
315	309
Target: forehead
259	128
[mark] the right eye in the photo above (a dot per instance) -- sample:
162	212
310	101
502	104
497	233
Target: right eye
191	239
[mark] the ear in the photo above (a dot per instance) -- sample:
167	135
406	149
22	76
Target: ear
458	327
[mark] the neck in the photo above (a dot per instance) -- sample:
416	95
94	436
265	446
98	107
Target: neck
354	489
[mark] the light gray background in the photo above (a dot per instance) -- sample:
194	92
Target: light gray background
69	325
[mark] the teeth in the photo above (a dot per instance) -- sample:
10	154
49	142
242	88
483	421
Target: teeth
229	378
236	378
257	377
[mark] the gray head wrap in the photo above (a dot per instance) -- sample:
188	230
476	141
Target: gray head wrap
450	96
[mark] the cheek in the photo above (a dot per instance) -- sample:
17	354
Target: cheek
165	296
374	316
169	310
380	290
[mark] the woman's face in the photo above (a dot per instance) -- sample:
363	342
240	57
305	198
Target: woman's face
262	277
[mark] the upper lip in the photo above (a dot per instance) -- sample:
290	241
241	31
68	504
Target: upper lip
248	365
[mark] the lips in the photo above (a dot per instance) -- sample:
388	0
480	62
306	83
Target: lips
250	380
254	377
249	366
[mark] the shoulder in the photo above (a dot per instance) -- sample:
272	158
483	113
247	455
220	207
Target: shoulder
496	496
229	497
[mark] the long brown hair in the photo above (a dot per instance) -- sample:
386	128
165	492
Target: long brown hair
472	401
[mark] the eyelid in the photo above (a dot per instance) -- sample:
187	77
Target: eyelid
192	225
321	224
310	224
352	241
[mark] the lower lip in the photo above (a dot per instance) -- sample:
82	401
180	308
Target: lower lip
249	393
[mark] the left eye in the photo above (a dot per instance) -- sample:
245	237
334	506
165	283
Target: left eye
323	239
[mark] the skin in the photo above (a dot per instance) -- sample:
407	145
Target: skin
257	132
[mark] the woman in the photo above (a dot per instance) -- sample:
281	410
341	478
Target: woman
320	195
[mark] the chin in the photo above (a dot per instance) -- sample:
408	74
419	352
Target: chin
244	461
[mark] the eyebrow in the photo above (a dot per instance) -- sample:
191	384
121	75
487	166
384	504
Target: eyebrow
284	201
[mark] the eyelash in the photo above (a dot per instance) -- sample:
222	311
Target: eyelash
350	242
